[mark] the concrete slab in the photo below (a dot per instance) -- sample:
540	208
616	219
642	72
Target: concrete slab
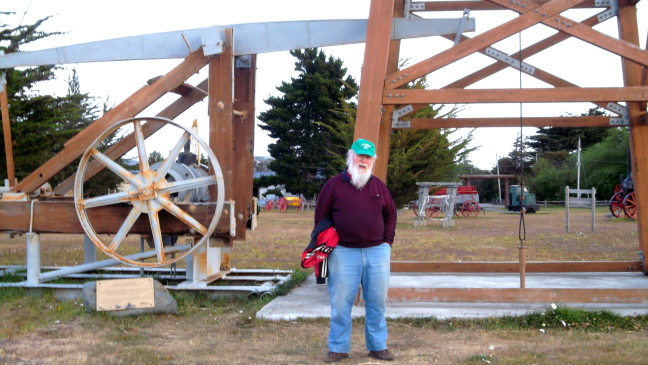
311	300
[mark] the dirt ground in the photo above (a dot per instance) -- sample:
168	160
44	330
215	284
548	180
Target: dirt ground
46	331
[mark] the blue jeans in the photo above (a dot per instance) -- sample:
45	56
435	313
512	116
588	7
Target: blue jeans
348	269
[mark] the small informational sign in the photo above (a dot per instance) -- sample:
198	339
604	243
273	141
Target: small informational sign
123	294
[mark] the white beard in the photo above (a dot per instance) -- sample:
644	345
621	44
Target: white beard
359	177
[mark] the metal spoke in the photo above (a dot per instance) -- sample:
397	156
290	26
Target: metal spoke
170	160
124	229
114	167
182	215
141	147
176	186
100	201
156	232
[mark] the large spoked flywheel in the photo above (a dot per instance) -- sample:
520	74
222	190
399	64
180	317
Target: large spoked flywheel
147	192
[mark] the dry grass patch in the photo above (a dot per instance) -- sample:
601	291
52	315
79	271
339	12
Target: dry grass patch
33	330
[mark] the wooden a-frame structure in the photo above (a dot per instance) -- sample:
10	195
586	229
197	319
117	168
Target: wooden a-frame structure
229	90
378	101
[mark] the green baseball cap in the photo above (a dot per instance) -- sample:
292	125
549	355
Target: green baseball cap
364	147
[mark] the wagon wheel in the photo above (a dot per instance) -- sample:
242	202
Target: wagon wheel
476	209
269	205
629	206
148	192
618	188
282	204
416	209
435	211
470	208
458	210
616	204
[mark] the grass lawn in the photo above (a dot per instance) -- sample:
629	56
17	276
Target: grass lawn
38	329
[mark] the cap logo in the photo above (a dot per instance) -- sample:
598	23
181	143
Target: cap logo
366	146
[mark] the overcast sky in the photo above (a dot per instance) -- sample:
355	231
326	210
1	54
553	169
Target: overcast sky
86	21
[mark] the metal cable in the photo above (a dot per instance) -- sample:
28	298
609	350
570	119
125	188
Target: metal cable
522	225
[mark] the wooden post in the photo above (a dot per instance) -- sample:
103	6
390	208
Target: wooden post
374	69
593	209
243	144
522	262
6	128
506	193
628	31
385	128
220	108
567	209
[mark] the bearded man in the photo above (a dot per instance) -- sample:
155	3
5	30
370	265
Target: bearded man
364	216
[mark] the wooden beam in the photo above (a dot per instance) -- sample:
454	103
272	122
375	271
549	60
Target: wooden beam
564	94
220	109
588	34
130	107
6	131
527	52
509	295
194	95
463	49
15	217
573	122
372	80
243	144
514	267
482	5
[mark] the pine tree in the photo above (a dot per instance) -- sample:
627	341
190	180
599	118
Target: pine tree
42	124
297	119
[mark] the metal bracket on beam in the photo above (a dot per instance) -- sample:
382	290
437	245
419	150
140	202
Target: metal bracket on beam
399	113
619	122
232	217
501	56
409	7
612	12
211	40
624	120
618	108
244	61
462	24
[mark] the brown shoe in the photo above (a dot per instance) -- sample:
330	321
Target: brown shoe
335	357
381	355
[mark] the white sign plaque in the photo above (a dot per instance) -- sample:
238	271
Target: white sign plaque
123	294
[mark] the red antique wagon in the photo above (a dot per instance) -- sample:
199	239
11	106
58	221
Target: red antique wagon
466	202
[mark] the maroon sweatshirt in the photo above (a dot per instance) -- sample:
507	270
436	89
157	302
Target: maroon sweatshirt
362	217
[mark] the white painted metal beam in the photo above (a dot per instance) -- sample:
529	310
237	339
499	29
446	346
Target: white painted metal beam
251	38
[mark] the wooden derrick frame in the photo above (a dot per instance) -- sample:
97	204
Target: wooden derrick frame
230	92
634	93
